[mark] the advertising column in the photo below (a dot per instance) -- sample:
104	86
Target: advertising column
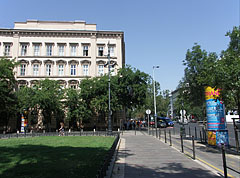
216	122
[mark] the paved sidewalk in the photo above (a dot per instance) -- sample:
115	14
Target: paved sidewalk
144	156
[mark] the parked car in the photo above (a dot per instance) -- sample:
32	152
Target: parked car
168	121
161	124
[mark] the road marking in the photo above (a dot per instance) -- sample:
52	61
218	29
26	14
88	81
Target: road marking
213	167
189	155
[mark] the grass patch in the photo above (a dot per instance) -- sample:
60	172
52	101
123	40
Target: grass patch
53	156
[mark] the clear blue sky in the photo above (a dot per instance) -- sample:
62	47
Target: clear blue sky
157	32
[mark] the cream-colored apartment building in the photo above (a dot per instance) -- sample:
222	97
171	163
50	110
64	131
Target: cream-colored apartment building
67	51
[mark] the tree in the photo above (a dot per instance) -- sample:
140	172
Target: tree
76	108
49	97
228	71
7	95
199	73
128	90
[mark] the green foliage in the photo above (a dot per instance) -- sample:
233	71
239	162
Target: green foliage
229	71
205	69
7	85
76	108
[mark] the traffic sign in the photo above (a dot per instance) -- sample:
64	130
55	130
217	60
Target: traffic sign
182	112
148	111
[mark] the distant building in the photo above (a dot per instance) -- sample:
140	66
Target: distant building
65	51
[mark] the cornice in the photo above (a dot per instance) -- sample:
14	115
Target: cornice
35	57
61	33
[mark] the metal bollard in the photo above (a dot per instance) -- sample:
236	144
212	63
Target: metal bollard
135	130
193	145
170	138
195	133
200	136
182	143
224	161
165	135
159	134
160	131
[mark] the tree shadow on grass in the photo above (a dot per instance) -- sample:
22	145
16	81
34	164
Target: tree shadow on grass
40	161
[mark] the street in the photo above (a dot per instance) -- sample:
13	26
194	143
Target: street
208	155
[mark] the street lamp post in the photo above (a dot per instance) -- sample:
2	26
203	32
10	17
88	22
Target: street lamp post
109	94
171	102
154	99
109	90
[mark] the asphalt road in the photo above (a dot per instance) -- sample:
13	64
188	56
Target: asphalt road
199	127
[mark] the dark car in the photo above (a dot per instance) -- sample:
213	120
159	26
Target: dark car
161	124
168	121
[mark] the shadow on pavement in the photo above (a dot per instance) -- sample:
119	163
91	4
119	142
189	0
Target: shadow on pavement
170	170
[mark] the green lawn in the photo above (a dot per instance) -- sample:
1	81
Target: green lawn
52	157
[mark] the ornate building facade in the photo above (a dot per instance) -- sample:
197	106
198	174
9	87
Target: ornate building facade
64	51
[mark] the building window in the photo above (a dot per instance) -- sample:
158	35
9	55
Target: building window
101	70
111	48
48	69
73	69
35	69
49	48
73	50
85	50
23	49
7	48
112	70
60	70
61	50
73	86
100	51
23	69
36	50
85	70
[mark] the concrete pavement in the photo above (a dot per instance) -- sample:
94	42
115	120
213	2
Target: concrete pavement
144	156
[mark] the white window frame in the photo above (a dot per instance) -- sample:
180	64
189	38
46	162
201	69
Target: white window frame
73	49
24	49
7	49
112	70
22	69
35	69
73	69
36	48
48	69
85	70
100	50
61	69
100	70
112	49
49	49
61	50
85	50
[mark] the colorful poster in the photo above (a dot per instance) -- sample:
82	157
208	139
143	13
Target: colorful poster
222	137
212	138
22	123
215	110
